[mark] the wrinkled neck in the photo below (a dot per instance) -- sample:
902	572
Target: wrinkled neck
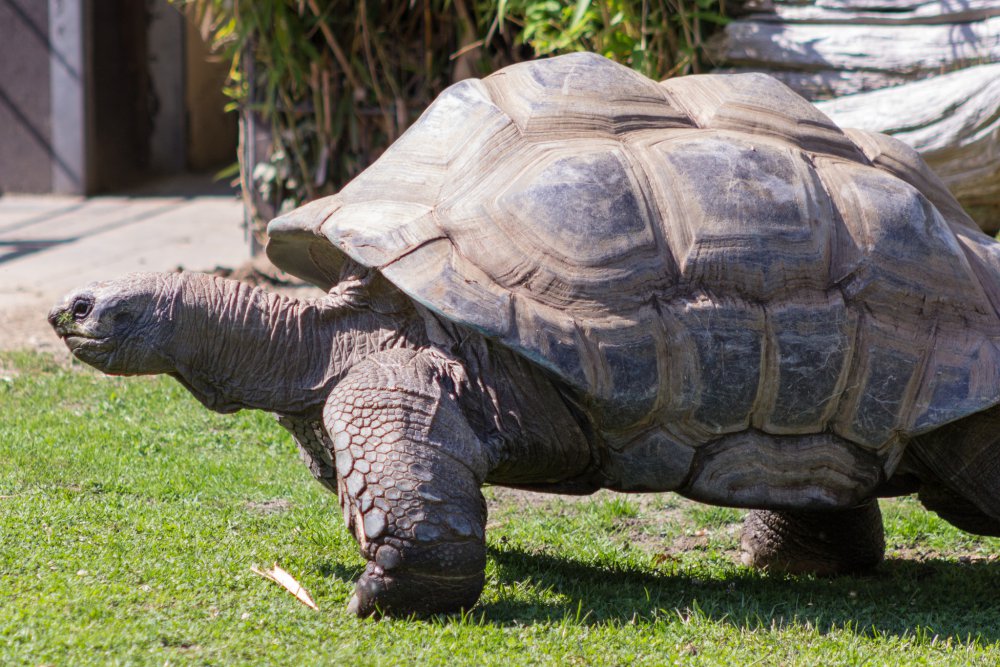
243	347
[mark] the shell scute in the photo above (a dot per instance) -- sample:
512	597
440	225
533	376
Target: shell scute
810	344
887	368
634	380
908	257
580	93
531	223
903	161
758	105
961	377
408	171
753	219
725	338
625	360
550	338
574	196
443	281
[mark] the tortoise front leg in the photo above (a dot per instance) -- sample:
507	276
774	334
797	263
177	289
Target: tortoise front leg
409	470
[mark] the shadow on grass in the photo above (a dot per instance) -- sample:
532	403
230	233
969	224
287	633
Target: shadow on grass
901	597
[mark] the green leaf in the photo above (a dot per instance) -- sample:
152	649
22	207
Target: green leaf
581	9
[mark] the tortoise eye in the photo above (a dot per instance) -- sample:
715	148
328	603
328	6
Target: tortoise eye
82	308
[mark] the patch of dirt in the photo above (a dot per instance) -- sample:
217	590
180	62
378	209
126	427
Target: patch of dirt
919	555
519	498
646	502
270	506
690	542
667	549
24	327
653	531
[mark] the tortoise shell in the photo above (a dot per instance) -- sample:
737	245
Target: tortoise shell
703	256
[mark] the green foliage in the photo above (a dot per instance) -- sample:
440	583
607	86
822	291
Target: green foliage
130	517
658	38
334	82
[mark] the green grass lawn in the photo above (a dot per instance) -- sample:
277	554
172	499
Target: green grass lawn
130	517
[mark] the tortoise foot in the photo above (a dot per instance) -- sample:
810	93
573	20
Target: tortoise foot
380	593
814	542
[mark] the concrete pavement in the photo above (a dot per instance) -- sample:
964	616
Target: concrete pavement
50	245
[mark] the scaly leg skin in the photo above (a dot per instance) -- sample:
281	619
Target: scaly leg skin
816	542
958	511
959	465
409	469
314	447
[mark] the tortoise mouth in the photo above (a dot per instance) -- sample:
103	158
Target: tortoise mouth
76	339
89	349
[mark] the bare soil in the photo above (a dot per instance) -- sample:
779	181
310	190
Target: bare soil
24	327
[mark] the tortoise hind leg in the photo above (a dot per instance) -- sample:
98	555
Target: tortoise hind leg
959	466
958	511
815	542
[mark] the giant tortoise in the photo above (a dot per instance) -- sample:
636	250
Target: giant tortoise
566	277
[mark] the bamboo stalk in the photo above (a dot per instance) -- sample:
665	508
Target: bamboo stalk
428	41
338	52
370	63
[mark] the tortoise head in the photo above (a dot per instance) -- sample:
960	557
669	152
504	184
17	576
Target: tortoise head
121	326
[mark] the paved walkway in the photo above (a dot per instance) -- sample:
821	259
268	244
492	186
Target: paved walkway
50	245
